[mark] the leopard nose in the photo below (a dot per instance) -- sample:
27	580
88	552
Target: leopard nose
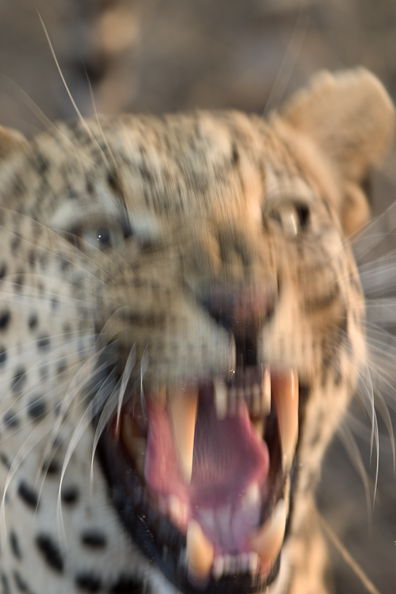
242	311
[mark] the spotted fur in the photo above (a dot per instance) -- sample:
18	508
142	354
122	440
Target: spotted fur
195	201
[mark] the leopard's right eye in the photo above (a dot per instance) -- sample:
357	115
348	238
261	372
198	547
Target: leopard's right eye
104	236
100	236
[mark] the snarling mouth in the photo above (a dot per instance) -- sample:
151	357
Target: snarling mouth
199	474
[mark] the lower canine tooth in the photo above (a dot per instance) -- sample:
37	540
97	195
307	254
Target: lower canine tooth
267	540
183	412
200	552
285	393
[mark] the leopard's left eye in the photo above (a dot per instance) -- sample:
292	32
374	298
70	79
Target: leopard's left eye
293	218
104	236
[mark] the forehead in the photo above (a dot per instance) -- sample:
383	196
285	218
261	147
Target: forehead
182	165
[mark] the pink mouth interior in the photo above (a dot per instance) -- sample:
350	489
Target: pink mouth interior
228	457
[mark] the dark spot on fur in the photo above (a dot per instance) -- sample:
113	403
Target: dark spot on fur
72	194
43	342
10	419
4	459
70	494
19	282
128	585
88	582
32	321
51	466
20	582
32	258
94	539
28	495
90	187
235	155
3	271
5	584
36	407
42	164
54	303
114	183
19	187
18	380
50	550
3	355
15	545
5	317
64	264
146	174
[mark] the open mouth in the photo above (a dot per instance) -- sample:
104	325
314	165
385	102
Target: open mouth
199	474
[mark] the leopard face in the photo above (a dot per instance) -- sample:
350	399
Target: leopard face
182	327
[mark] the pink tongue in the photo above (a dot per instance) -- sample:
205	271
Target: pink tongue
228	456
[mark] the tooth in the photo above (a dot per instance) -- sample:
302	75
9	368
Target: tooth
285	392
251	497
218	567
220	393
136	446
267	540
200	552
183	412
266	393
253	562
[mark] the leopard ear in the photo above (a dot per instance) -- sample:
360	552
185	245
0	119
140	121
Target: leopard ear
11	141
350	118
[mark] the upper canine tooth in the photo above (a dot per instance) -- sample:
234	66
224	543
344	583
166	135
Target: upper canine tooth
220	394
200	552
285	392
183	412
267	540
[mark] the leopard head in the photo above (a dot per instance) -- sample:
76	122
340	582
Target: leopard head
204	259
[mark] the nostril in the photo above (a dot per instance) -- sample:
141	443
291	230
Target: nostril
237	306
242	311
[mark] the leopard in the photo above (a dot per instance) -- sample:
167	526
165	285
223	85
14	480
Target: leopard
182	328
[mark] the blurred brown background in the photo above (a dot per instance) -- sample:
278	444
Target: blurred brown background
165	55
